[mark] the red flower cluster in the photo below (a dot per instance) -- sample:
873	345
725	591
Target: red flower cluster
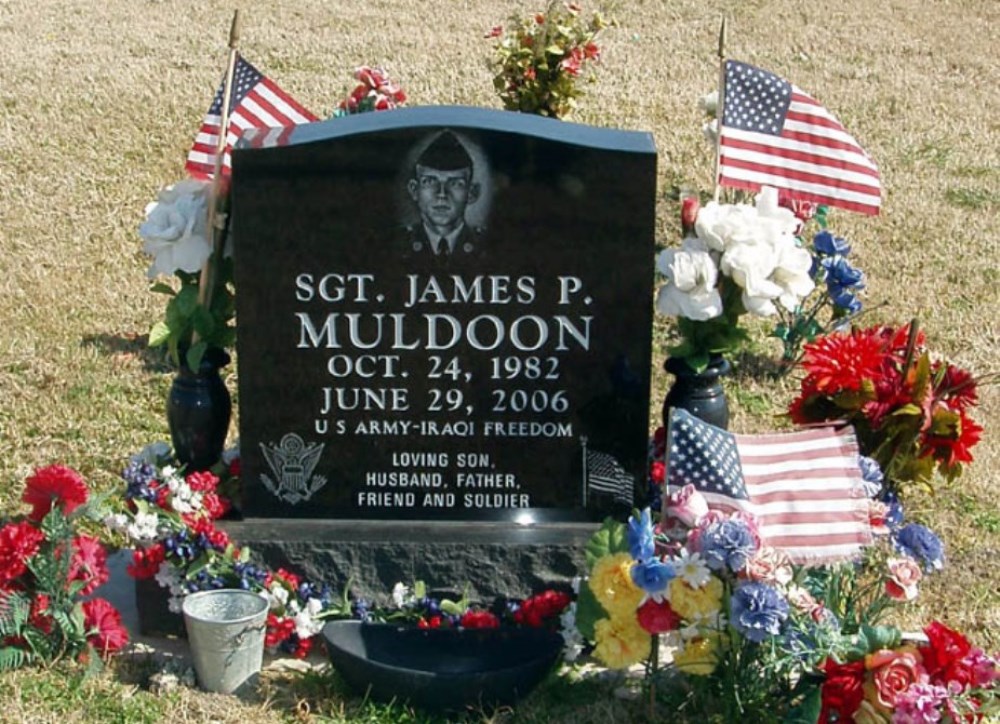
18	543
54	485
929	680
479	619
89	564
911	414
146	561
543	609
104	626
375	92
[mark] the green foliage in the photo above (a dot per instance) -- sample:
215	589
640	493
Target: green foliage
610	538
539	58
808	710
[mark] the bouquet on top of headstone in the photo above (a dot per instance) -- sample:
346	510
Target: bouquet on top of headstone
539	58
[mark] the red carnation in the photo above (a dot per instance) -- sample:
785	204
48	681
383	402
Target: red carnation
432	622
657	618
303	648
842	692
657	472
945	651
40	617
842	362
18	543
146	562
202	482
104	626
215	506
57	484
278	629
216	538
479	619
89	563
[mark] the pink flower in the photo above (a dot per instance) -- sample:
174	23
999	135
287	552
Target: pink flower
104	626
89	564
202	482
904	574
687	505
495	32
770	566
54	484
892	673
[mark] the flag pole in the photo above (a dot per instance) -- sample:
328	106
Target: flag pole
720	106
207	280
667	442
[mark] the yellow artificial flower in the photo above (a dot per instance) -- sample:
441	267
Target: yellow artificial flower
698	656
611	582
691	603
621	642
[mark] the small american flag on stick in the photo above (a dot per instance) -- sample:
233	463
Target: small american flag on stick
805	488
257	102
773	134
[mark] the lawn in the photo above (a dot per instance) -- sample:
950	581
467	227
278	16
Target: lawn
99	103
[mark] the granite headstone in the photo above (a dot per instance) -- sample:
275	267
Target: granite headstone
444	316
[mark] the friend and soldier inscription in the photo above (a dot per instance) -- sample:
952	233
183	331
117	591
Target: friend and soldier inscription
444	315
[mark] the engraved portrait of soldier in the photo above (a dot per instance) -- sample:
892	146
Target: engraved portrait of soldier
447	196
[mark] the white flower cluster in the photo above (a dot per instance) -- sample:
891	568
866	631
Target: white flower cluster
755	246
182	498
170	577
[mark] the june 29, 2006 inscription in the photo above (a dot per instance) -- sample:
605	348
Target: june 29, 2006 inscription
444	321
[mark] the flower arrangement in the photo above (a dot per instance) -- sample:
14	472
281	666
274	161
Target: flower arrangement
945	679
169	519
539	58
48	573
751	634
734	259
375	92
178	235
911	414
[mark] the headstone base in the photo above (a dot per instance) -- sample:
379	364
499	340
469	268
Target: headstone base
490	559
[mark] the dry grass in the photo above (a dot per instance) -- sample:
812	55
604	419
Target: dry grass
99	101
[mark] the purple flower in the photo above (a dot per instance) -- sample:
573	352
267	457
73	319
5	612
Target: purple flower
728	543
826	243
919	542
871	475
652	575
758	611
640	536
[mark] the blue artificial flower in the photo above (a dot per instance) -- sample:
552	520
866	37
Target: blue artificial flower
728	543
640	536
757	611
845	299
871	475
841	275
138	476
826	243
919	542
652	575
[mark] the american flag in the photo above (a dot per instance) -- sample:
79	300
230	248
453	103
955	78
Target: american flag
805	487
256	102
773	134
604	474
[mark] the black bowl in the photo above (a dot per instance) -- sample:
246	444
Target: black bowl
441	669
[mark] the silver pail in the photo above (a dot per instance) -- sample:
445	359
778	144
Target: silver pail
225	629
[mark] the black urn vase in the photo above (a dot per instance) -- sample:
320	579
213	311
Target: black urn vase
700	393
198	412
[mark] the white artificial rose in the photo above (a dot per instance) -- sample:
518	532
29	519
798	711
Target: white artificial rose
791	273
750	265
768	208
720	225
690	290
175	231
143	527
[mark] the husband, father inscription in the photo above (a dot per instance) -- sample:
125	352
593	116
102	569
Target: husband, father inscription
444	316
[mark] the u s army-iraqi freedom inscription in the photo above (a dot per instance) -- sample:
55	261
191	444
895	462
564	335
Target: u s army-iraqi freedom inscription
444	314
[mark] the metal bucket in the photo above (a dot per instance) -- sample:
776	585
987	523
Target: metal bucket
225	629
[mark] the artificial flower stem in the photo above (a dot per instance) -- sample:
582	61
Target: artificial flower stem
207	282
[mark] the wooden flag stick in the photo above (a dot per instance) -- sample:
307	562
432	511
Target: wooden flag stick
720	106
207	281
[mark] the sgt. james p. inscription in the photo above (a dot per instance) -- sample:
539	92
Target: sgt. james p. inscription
444	314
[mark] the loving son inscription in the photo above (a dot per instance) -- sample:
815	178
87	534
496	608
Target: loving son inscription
444	314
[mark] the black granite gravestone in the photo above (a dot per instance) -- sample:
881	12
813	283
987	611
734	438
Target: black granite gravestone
444	316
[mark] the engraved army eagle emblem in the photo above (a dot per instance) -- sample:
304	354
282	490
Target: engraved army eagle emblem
292	461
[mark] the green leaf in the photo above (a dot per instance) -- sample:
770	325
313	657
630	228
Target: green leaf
162	288
203	321
159	334
419	589
610	538
187	301
452	608
12	657
555	50
588	611
194	355
808	710
881	637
